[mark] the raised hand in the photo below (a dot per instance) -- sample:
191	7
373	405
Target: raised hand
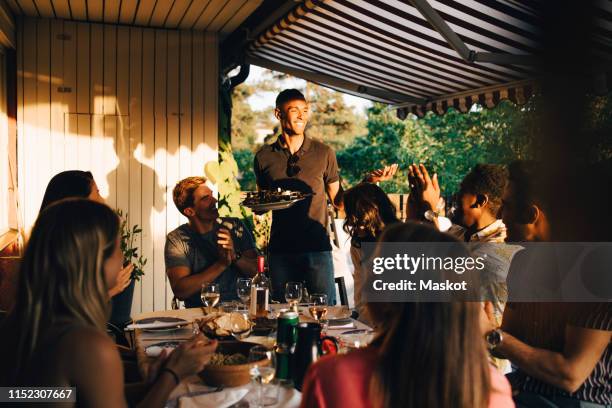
425	188
123	280
383	174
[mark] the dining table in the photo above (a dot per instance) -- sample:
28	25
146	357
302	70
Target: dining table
289	397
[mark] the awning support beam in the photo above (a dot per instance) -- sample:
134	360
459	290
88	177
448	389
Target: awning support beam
335	82
438	23
456	43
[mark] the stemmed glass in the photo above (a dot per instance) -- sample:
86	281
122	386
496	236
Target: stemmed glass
238	329
318	306
210	295
263	373
293	293
243	289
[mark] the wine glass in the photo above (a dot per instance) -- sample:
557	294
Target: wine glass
305	295
263	374
318	306
210	295
240	326
293	294
243	289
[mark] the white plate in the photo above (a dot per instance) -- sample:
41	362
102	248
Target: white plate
169	324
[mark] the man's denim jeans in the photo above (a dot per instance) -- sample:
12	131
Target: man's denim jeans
316	269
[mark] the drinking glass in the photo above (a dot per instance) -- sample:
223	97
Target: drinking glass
237	327
293	293
210	295
243	289
305	295
318	306
263	375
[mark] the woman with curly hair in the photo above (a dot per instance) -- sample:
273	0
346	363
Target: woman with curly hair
368	211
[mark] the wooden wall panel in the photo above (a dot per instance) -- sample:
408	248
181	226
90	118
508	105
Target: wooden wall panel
20	118
197	143
30	125
43	106
147	156
58	150
123	125
134	106
82	93
135	140
185	152
211	97
161	160
173	109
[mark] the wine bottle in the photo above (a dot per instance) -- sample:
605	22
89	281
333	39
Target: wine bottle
260	291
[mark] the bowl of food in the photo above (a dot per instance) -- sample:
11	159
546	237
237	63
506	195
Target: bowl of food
229	365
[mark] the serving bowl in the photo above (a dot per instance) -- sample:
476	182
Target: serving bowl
230	375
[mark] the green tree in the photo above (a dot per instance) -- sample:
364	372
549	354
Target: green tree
244	119
332	120
450	144
246	177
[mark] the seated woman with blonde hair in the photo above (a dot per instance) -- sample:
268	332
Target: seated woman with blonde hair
425	355
55	334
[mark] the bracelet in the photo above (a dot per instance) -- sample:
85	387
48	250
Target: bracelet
174	375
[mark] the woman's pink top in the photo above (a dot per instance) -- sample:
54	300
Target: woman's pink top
344	380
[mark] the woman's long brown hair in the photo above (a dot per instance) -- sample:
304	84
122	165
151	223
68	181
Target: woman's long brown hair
61	279
368	211
431	354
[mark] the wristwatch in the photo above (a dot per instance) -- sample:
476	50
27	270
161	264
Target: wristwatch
494	338
431	215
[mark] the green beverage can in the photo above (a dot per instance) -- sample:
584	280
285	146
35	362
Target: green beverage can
284	359
286	333
286	336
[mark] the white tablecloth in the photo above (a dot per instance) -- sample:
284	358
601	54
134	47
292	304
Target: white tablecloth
184	396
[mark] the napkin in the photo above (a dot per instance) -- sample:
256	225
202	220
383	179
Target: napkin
222	399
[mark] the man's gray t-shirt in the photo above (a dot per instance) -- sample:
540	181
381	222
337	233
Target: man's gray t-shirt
185	247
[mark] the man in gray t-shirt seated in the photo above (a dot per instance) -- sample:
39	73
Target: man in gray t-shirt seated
202	251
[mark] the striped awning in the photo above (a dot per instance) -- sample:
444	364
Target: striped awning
418	55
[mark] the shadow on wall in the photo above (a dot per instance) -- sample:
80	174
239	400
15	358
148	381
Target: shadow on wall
130	105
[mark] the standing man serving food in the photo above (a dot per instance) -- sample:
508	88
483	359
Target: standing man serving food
300	248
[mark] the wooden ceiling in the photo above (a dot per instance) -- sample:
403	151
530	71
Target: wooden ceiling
222	16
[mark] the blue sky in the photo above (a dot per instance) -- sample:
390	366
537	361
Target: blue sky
265	100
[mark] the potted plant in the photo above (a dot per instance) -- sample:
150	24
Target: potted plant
122	303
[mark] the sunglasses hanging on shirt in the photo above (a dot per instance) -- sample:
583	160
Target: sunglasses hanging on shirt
292	168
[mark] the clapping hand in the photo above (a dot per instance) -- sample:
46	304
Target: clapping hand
225	243
383	174
124	278
424	189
